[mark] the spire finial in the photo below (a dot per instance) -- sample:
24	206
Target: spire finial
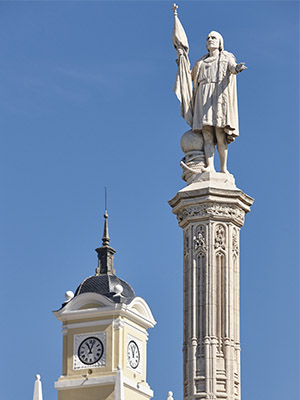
105	238
174	8
37	394
105	253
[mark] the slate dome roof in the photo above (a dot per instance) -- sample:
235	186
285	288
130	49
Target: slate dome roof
106	285
105	282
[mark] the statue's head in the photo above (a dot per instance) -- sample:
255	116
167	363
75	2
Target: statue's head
212	37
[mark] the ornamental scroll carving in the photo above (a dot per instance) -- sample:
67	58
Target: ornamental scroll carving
200	238
213	210
235	242
220	237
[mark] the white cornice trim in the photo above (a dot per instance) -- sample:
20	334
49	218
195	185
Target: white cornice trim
84	382
143	331
138	388
87	313
137	311
138	319
87	323
73	309
100	381
140	308
85	298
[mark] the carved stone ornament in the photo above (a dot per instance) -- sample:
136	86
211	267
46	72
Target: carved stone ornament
209	210
235	243
200	239
186	244
220	237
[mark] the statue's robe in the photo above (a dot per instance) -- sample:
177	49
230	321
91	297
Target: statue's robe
213	100
215	97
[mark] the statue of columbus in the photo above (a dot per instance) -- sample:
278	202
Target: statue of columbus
207	93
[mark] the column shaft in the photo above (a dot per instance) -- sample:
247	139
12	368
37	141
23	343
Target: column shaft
211	219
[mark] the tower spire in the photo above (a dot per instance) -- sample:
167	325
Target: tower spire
105	253
105	238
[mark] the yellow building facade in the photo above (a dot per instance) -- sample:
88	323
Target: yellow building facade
104	330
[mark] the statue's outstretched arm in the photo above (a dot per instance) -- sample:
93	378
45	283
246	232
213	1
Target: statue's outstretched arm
240	67
234	67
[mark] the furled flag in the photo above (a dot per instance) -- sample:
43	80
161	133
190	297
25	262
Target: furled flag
183	84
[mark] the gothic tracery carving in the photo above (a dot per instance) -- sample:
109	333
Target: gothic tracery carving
235	243
200	238
220	239
213	210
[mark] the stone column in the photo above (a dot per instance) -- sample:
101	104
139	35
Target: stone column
211	210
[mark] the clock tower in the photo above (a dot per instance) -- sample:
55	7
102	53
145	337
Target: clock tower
104	328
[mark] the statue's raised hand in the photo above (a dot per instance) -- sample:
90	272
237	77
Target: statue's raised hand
240	67
180	51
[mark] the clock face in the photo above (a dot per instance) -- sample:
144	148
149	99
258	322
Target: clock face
90	350
133	354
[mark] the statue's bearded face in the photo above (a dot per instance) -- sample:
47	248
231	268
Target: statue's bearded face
212	41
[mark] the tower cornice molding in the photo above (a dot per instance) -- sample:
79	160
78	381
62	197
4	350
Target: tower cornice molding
137	310
197	203
65	384
212	211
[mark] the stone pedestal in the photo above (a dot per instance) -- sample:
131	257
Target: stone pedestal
211	212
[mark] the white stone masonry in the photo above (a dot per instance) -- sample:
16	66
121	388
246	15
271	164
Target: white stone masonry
211	214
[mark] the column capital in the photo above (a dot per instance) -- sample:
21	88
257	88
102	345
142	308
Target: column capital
203	200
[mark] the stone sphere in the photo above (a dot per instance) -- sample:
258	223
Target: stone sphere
69	295
191	141
118	289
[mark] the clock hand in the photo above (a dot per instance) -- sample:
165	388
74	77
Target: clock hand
88	346
93	342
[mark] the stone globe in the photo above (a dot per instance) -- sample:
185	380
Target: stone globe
191	141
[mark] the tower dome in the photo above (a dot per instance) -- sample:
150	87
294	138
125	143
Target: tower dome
110	286
105	281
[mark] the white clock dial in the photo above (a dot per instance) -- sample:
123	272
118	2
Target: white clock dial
90	350
133	354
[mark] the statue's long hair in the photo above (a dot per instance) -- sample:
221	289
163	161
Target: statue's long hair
221	40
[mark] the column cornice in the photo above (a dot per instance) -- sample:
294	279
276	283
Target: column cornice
195	203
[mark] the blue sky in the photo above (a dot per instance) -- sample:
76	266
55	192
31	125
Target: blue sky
86	101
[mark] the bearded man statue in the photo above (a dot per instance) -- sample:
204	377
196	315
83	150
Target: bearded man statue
208	94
